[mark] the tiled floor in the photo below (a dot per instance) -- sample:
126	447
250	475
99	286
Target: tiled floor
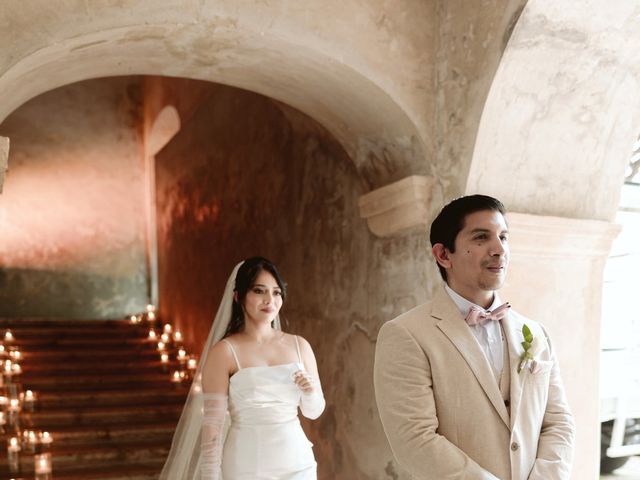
631	471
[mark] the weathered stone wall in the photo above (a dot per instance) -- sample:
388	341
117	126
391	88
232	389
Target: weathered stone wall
71	222
246	176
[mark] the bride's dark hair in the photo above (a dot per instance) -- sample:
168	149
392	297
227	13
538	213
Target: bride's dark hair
245	278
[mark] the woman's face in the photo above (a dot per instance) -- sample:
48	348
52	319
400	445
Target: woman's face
264	299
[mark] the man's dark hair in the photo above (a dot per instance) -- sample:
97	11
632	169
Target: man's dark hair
450	220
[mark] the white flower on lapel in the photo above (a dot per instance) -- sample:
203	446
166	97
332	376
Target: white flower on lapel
532	347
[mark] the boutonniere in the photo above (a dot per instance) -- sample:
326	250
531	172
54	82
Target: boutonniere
531	346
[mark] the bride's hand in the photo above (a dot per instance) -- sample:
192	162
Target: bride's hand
304	381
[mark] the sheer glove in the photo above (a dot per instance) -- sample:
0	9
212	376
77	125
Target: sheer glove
312	401
215	408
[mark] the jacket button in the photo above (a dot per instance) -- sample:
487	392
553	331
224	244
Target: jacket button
515	446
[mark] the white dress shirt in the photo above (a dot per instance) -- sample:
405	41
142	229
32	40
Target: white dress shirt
488	334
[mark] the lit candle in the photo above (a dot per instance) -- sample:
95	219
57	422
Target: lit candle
29	439
15	355
8	336
177	336
167	328
176	378
151	316
7	367
152	334
182	355
14	405
151	308
29	400
3	420
164	358
4	401
165	337
13	450
3	351
133	319
161	346
46	438
14	444
16	369
192	364
42	465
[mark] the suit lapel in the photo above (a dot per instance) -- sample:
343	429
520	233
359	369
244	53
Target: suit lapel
513	331
454	327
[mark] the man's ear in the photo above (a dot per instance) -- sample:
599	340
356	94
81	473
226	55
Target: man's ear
235	296
441	254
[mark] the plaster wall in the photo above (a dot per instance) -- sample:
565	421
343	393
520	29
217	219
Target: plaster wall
563	112
71	223
246	176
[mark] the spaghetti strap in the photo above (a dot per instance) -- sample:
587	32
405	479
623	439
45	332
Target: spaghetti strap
233	352
298	348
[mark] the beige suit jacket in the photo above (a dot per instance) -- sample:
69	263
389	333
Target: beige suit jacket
441	406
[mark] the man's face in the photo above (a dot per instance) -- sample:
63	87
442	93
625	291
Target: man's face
478	266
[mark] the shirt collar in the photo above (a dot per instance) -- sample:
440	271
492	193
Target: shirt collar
464	305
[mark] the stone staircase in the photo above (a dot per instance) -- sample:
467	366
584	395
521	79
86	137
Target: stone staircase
103	394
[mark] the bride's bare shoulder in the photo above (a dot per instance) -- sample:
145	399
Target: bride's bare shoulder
220	354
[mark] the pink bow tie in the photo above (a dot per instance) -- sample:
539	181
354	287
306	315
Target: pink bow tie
477	316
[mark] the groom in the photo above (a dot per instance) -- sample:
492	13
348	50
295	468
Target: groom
466	387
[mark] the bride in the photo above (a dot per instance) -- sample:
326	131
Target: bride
258	375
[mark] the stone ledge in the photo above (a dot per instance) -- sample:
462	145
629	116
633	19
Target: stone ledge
539	236
4	159
398	206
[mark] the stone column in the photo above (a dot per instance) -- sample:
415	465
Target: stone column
556	277
4	159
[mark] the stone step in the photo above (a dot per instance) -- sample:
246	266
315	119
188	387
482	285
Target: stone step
43	343
78	368
51	419
23	333
166	394
114	471
18	323
102	378
78	455
90	355
116	433
101	384
103	394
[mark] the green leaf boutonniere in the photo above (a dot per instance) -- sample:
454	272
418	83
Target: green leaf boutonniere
529	347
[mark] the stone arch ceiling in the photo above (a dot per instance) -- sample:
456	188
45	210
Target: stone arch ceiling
563	111
369	95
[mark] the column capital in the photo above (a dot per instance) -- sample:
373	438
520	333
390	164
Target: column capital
537	236
398	206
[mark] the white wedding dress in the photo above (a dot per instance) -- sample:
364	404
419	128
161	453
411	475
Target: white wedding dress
265	440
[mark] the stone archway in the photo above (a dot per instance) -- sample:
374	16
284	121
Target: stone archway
555	137
353	94
370	97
